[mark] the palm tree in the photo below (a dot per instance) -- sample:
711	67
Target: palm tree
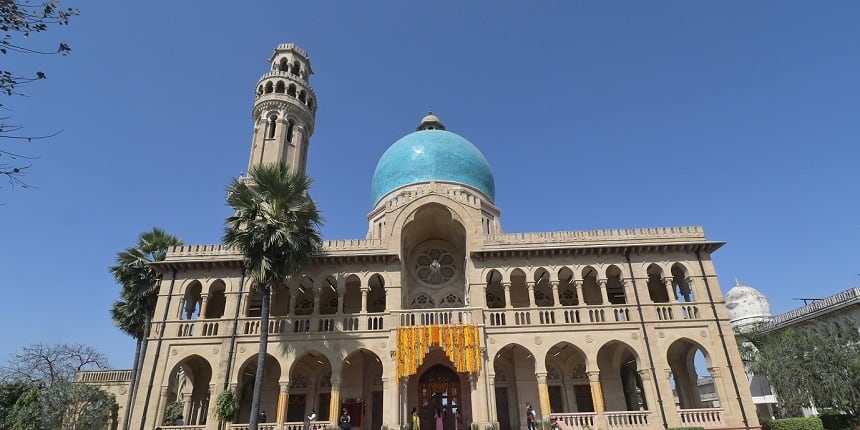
276	228
133	312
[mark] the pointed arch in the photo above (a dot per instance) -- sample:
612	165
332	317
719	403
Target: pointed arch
622	385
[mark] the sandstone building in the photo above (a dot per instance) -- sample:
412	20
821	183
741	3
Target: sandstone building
439	309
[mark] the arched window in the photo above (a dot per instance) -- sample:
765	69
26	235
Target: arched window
271	127
284	66
291	91
302	96
295	69
290	130
260	90
268	87
279	88
311	103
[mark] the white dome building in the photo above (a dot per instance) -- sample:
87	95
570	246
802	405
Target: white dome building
747	307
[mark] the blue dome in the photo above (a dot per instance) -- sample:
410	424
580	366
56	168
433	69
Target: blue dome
432	155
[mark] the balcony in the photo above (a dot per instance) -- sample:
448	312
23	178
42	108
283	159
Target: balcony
557	316
708	418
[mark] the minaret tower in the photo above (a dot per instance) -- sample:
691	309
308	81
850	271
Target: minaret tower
284	110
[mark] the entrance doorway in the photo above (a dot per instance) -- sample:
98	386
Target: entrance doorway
439	391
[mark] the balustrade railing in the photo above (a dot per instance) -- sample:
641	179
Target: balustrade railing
707	417
627	419
559	315
188	427
576	420
103	376
294	425
452	316
677	311
370	322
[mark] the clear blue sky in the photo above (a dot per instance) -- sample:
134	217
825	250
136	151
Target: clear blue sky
739	116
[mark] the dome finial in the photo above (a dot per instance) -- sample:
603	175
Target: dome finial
430	122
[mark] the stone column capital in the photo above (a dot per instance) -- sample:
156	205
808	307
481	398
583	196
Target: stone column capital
593	375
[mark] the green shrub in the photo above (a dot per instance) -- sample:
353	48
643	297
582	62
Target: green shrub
226	405
171	413
809	423
834	420
765	423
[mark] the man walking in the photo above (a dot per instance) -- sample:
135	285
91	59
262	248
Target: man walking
530	416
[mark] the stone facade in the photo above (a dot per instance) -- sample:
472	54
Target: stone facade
595	328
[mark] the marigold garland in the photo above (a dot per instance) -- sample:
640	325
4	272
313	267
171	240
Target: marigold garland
461	344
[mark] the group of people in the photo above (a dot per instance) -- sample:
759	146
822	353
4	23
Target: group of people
438	420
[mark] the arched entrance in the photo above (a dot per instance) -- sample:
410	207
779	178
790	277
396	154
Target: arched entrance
439	391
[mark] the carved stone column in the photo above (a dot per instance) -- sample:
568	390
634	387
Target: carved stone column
364	291
317	294
292	310
341	292
596	391
283	403
578	286
186	407
334	403
531	287
493	413
507	286
555	298
204	300
670	289
543	395
648	395
603	294
162	404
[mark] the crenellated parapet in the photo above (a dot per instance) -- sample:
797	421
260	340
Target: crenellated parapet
599	237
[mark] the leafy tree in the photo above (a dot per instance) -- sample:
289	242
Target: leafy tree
134	311
38	392
75	406
276	228
18	403
26	413
18	20
808	368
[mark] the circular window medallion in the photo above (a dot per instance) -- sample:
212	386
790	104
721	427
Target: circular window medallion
434	266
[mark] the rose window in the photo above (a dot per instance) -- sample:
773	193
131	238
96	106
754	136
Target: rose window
435	267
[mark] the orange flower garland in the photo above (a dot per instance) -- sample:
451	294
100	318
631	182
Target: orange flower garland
461	344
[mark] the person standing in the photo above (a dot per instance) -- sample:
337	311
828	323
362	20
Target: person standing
530	416
438	418
344	420
311	418
416	422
